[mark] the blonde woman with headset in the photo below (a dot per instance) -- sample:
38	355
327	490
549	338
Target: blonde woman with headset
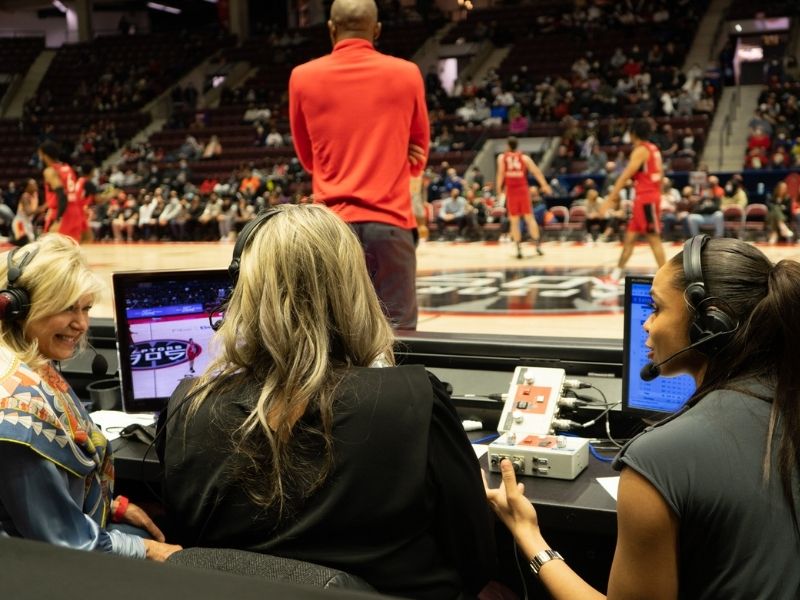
56	466
303	439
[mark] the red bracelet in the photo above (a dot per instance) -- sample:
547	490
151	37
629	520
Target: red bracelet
119	512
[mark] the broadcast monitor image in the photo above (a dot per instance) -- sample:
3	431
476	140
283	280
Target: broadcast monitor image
163	330
663	394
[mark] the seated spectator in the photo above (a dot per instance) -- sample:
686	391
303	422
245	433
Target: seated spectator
562	162
759	139
297	428
596	162
477	214
670	198
213	148
190	149
780	213
126	220
274	139
735	192
250	184
453	212
254	113
756	159
706	213
517	123
595	221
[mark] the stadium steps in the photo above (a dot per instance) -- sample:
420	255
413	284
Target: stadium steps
710	36
30	84
730	156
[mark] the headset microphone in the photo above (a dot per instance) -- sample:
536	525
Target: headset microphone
652	370
99	364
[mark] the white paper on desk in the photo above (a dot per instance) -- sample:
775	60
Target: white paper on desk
480	449
114	421
610	484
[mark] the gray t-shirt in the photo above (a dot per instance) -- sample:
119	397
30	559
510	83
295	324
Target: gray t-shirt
737	537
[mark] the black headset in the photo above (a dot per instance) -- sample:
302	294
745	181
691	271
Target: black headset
709	321
15	301
242	240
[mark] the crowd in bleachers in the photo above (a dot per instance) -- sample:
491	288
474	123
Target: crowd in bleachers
774	140
211	169
604	61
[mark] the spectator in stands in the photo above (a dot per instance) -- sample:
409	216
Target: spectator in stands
677	511
452	211
126	220
756	159
706	213
735	192
55	463
596	162
173	217
274	139
780	213
670	198
292	417
596	221
190	149
562	162
213	148
759	139
22	230
379	107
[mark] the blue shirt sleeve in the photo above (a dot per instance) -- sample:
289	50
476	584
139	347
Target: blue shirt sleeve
37	503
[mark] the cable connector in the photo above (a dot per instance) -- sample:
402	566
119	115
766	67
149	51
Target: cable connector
566	402
574	384
565	424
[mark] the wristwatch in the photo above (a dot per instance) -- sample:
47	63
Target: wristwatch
543	557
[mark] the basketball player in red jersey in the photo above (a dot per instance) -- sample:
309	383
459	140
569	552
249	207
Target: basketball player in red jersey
64	211
512	172
647	170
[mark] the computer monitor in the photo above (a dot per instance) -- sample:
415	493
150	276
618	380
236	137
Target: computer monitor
662	395
163	330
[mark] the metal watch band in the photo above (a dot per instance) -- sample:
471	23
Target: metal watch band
545	556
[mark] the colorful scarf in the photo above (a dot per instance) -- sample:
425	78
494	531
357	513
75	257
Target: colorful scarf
42	412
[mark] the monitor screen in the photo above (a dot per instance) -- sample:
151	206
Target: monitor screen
663	394
163	330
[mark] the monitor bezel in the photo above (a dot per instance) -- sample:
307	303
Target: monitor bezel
122	280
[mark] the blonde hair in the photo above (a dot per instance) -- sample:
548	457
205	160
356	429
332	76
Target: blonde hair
56	277
303	311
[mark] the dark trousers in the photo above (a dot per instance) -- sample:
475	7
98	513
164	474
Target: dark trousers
391	258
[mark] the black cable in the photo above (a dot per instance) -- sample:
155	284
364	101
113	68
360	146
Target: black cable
519	570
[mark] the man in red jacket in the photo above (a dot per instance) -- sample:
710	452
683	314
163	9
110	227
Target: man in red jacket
360	127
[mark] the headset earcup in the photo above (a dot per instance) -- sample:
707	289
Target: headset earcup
712	323
14	304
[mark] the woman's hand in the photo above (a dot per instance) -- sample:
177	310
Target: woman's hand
136	516
159	551
510	504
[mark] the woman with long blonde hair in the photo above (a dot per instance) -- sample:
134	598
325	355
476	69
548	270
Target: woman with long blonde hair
303	438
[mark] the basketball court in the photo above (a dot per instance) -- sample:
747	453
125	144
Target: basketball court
462	287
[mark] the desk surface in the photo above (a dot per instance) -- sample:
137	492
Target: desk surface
580	505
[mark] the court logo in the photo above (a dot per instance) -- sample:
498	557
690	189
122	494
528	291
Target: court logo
519	291
158	354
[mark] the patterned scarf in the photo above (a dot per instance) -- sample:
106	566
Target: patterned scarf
43	413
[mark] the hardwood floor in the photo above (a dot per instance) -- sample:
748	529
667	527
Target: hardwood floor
534	296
